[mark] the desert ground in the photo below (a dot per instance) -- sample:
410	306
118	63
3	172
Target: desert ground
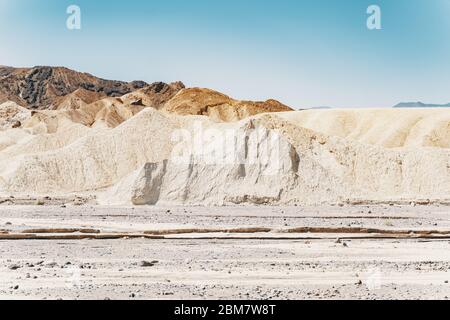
350	252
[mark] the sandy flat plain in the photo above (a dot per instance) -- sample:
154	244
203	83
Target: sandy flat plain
349	252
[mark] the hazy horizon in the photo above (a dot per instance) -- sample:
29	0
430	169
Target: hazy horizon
303	53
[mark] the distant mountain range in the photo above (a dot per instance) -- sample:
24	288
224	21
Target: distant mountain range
421	105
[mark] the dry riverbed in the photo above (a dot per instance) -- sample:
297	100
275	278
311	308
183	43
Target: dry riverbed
356	252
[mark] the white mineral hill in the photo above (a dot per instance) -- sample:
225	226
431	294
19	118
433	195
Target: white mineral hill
306	158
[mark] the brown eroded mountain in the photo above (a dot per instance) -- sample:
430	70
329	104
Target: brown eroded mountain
82	107
218	106
60	93
77	99
44	87
155	95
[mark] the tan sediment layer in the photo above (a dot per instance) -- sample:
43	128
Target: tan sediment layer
353	232
21	236
62	230
206	230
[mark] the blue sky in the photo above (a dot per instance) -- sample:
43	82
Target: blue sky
304	53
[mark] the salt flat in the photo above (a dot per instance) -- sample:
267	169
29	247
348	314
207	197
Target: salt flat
353	253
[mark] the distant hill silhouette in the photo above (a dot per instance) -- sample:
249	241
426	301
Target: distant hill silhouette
421	105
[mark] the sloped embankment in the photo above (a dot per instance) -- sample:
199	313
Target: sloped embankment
159	158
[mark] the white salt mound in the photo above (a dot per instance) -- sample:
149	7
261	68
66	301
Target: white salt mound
389	128
306	158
